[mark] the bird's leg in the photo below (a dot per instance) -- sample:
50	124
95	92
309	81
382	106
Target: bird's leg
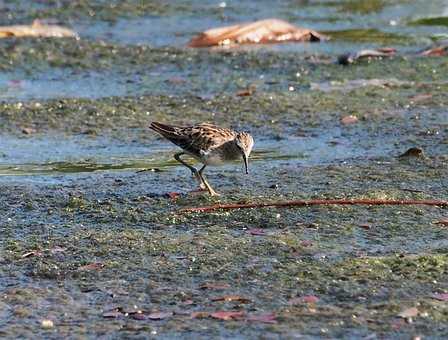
207	186
193	170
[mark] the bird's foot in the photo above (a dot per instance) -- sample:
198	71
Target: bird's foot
213	193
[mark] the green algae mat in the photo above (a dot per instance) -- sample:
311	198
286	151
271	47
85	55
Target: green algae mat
94	241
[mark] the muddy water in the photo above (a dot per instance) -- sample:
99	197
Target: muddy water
72	193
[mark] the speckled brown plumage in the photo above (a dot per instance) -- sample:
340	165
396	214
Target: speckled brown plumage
209	144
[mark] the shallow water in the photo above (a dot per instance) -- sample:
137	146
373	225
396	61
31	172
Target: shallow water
66	154
72	193
352	24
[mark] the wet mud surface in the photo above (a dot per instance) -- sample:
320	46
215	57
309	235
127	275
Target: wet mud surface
99	247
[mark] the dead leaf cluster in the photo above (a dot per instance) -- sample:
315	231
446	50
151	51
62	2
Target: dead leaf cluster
258	32
37	29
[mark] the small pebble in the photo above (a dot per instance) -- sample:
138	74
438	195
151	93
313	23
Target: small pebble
47	324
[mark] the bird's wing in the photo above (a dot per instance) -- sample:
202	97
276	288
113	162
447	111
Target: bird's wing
197	139
206	137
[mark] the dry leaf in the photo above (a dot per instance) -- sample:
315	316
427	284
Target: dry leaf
421	97
28	130
173	195
32	253
365	226
303	299
350	58
258	32
348	120
257	232
36	29
139	316
443	221
214	285
231	298
159	315
440	296
226	316
250	90
200	315
266	318
92	266
112	314
412	152
438	51
408	313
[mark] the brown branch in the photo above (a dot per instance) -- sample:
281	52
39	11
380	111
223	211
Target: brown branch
305	203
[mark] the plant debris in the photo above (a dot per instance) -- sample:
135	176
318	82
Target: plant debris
214	285
306	203
412	152
264	318
258	32
350	58
226	316
36	29
91	266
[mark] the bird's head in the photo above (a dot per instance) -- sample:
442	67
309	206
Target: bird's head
245	143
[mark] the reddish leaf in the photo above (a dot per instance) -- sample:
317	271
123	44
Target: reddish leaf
440	296
244	93
257	232
348	120
365	226
306	243
226	316
173	195
214	285
159	315
231	298
247	91
187	302
303	299
408	313
437	51
443	221
17	83
92	266
266	318
387	49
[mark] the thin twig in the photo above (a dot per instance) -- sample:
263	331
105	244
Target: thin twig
304	203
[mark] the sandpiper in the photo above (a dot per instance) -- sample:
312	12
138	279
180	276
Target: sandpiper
209	144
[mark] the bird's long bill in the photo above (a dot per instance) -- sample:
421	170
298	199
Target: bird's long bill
246	164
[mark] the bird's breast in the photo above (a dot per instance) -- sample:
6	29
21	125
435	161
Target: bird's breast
213	158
